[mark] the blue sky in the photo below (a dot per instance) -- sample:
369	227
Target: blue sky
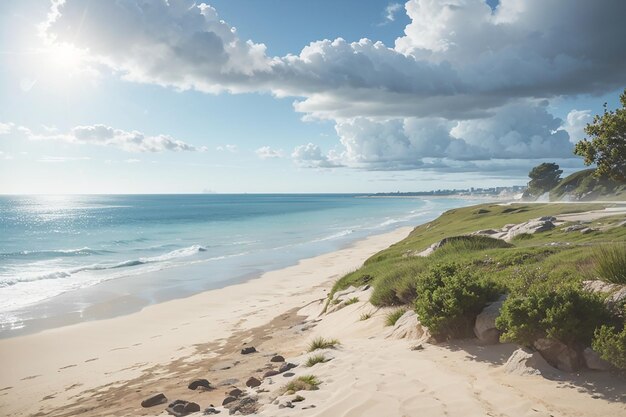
214	113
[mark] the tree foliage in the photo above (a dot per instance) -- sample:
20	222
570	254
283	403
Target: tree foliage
607	145
543	178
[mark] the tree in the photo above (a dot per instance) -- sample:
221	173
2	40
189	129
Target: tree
543	178
607	147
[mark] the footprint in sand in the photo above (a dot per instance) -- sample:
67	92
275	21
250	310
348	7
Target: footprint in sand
31	377
68	366
5	388
137	344
158	335
47	397
91	360
118	348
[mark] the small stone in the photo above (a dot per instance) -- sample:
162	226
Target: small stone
228	400
270	373
277	358
154	400
210	411
308	406
286	367
248	350
252	382
287	404
236	392
288	374
417	347
299	398
199	383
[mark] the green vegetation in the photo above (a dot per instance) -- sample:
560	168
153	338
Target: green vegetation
352	300
321	343
365	316
542	274
611	345
392	317
449	298
315	359
607	147
610	261
302	383
585	185
543	178
537	309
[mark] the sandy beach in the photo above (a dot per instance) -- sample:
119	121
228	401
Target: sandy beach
107	367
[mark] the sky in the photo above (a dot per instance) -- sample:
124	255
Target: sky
233	96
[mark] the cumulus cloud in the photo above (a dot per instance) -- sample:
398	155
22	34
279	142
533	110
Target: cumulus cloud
265	152
6	128
575	124
460	87
391	10
227	148
311	156
130	141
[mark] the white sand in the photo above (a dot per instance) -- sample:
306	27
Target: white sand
368	375
65	361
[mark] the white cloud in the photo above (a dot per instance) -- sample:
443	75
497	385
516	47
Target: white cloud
132	161
6	128
575	124
130	141
391	10
311	156
457	88
227	148
61	159
266	152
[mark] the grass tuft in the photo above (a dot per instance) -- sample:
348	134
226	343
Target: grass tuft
315	359
365	316
392	317
610	262
302	383
321	343
352	300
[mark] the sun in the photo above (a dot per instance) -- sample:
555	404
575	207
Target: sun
65	56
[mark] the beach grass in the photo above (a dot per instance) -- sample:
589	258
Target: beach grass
302	383
350	301
365	316
610	262
392	317
315	359
321	343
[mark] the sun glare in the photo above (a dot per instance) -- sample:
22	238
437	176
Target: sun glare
65	56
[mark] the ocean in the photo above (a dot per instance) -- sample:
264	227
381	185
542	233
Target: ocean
66	259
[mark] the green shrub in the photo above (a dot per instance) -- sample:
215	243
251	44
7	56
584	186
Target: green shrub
302	383
468	243
392	317
565	313
611	345
384	293
449	299
321	343
350	301
610	262
365	316
315	359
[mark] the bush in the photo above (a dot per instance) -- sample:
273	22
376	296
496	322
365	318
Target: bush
467	243
321	343
611	345
315	359
610	262
449	299
365	316
566	313
392	317
302	383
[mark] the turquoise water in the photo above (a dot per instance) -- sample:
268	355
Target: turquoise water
63	256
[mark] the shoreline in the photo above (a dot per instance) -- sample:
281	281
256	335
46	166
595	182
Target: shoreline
121	348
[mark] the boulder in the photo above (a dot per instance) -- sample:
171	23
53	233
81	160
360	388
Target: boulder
574	228
195	384
245	405
154	400
527	362
277	358
288	374
181	408
252	382
248	350
270	373
286	367
588	230
530	227
407	327
594	361
615	293
558	354
485	326
228	400
235	392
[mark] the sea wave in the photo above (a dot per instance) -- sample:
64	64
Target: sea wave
66	273
53	252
